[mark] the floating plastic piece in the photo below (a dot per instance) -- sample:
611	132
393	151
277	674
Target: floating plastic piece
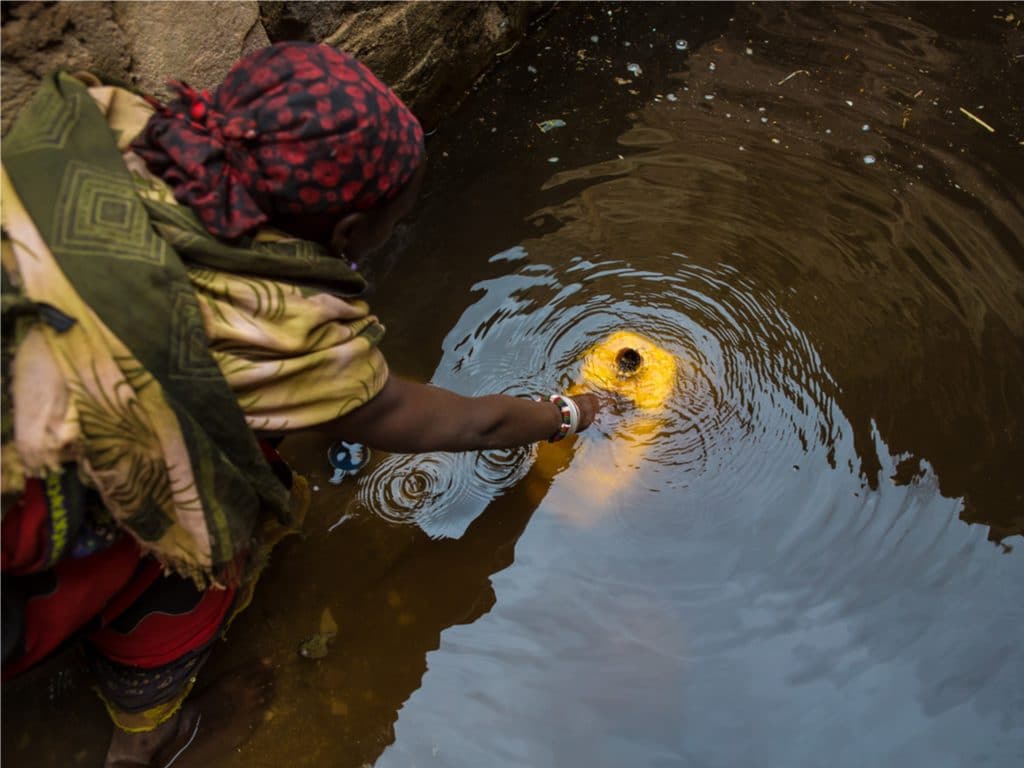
531	69
682	45
550	125
869	159
634	69
672	97
346	459
552	159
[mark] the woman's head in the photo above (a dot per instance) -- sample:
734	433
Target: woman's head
298	135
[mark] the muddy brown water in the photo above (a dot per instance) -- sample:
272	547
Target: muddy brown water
814	554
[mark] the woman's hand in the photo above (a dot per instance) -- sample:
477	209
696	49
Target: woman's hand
590	406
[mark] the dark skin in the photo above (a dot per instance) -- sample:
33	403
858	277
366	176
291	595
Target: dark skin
404	417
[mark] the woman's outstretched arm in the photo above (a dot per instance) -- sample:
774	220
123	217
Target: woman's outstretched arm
409	417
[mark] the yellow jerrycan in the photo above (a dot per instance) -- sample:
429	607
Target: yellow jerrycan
636	369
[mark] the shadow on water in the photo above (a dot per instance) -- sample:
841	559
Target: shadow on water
773	568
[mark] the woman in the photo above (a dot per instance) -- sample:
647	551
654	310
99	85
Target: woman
177	288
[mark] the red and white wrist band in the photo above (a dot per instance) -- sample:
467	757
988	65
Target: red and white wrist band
570	413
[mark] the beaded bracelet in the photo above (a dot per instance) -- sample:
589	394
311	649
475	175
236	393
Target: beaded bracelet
570	413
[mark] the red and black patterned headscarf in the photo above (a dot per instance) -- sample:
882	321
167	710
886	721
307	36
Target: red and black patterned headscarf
294	128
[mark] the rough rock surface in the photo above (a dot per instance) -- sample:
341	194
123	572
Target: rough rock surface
192	41
38	37
430	52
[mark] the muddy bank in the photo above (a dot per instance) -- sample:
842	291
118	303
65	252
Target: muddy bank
430	53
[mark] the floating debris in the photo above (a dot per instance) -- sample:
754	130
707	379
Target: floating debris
594	38
671	97
849	103
793	74
764	119
709	97
682	45
749	51
634	69
627	43
346	459
711	66
776	141
978	120
622	81
316	646
552	159
550	125
865	127
869	159
531	69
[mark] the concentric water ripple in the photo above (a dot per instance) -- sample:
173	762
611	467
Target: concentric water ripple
747	381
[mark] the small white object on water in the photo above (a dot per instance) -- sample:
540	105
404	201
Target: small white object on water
750	51
869	159
828	130
849	103
682	45
711	66
634	69
627	43
728	114
552	159
920	167
760	109
339	521
776	141
865	127
742	148
594	38
531	69
709	97
316	487
764	119
672	97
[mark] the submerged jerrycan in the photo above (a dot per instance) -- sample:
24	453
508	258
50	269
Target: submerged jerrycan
591	486
631	366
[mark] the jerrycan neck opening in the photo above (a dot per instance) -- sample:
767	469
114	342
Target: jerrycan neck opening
628	361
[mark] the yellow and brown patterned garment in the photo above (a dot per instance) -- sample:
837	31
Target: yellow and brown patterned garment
147	351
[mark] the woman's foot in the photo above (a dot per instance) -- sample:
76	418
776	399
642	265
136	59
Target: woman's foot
209	724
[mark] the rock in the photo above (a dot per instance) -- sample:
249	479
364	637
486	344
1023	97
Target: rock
429	53
39	37
194	42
